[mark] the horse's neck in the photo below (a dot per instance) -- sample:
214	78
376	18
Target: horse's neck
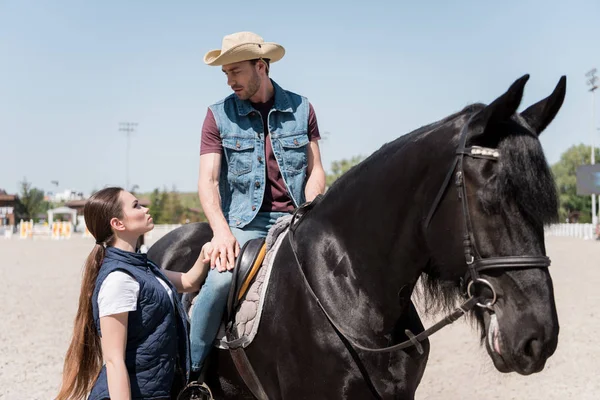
367	235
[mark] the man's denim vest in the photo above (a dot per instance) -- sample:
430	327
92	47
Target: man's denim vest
243	169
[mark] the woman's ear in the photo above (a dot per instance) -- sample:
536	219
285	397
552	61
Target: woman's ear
117	224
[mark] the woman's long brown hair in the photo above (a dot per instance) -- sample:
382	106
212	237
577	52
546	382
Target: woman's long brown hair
83	360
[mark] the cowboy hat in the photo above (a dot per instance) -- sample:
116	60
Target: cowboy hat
243	46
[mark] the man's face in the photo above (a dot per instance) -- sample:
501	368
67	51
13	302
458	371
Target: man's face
243	78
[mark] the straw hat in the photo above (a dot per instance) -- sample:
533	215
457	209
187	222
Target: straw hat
243	46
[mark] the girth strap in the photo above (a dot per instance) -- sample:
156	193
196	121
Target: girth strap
242	364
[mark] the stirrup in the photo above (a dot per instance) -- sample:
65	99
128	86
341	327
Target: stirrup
195	391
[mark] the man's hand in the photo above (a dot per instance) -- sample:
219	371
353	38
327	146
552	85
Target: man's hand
224	246
223	251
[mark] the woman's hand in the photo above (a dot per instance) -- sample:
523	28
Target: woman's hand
193	279
206	252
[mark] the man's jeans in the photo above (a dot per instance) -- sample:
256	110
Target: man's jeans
210	303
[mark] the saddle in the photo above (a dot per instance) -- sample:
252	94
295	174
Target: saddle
246	266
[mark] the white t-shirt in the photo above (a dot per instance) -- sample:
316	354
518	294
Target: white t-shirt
119	293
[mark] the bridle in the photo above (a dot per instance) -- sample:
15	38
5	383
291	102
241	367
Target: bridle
474	261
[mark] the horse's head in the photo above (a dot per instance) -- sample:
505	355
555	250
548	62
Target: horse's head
492	210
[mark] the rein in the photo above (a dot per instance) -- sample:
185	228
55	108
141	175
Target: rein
414	340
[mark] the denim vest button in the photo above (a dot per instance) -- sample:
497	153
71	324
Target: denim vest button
259	159
237	144
257	184
253	208
295	142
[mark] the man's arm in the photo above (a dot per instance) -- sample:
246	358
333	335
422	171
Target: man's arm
225	246
315	184
314	170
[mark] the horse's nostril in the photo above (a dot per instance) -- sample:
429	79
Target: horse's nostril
532	348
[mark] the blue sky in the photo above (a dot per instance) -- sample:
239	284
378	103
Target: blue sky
70	71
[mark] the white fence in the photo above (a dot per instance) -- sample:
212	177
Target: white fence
581	231
159	231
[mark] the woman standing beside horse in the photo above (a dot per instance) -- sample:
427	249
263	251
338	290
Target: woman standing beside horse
128	314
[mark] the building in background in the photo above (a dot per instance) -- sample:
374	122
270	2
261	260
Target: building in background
9	204
66	195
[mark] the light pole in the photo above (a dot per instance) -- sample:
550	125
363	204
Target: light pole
128	128
592	79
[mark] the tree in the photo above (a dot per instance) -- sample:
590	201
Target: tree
338	168
32	201
565	175
157	201
172	208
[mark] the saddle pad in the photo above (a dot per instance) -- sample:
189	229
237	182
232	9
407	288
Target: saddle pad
248	312
247	316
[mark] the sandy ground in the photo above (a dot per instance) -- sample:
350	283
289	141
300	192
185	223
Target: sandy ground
40	289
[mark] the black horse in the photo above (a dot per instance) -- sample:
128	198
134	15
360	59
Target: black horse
460	203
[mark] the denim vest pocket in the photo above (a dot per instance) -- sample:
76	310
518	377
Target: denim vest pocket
238	153
295	151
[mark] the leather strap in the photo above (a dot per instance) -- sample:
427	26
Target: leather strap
441	192
511	262
240	359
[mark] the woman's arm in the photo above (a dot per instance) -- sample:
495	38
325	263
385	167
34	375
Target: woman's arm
191	280
114	342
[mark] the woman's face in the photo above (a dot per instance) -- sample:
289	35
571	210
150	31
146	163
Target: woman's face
136	219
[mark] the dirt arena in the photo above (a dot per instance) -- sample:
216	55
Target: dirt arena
41	288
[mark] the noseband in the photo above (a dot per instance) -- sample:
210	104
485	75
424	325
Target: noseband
475	262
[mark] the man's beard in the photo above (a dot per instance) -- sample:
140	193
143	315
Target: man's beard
252	88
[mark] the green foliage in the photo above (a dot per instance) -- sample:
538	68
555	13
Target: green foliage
338	168
173	207
157	201
32	201
565	175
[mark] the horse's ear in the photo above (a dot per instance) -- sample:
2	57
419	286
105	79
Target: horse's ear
540	114
503	108
500	110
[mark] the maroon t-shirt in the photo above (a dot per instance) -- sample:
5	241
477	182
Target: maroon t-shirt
276	196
